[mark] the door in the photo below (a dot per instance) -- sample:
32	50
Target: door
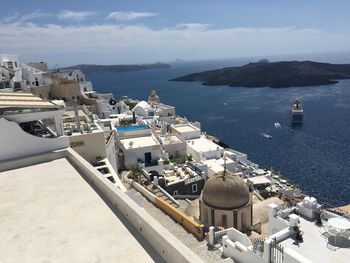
148	158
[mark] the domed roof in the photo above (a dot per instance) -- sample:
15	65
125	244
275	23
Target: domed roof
225	191
143	104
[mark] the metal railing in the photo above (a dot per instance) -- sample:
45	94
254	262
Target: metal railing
277	252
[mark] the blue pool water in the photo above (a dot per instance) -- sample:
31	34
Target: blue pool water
132	128
315	156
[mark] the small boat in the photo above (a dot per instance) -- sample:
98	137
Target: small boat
297	111
278	125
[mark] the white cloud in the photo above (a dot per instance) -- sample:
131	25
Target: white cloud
129	15
195	26
11	18
34	15
105	43
74	15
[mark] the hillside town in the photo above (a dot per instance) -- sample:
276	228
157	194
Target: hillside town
141	181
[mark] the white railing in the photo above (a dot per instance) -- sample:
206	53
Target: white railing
220	234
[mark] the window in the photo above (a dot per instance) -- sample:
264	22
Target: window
194	188
224	221
148	158
176	193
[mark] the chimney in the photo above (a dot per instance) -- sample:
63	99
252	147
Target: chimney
133	117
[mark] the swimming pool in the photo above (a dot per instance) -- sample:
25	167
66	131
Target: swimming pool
132	128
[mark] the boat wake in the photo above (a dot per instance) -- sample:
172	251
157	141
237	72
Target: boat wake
268	136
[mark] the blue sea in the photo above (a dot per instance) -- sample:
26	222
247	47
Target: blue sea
315	156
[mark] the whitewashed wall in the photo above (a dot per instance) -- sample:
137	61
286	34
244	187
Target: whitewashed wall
16	143
111	152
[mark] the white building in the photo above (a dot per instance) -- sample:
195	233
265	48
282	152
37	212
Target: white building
293	238
73	74
217	165
143	109
202	149
11	72
85	137
144	150
164	112
237	156
173	145
186	131
10	61
36	77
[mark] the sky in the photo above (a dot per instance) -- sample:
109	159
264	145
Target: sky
145	31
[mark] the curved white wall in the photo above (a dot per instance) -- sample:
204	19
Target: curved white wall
17	143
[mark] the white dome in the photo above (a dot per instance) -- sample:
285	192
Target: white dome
143	109
143	104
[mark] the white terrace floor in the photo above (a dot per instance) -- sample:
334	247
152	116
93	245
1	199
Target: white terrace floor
314	247
48	213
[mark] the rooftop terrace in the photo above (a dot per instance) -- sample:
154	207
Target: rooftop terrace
139	142
50	213
314	246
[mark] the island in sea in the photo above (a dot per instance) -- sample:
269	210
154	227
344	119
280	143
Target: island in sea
273	74
91	68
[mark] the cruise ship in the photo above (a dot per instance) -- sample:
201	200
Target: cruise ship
297	111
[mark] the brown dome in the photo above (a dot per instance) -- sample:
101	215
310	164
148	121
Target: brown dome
227	191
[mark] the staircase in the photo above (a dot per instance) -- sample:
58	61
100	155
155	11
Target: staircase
154	190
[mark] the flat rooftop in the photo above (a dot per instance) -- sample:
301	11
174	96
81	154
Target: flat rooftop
186	128
49	213
217	165
203	145
261	179
314	247
170	139
139	142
